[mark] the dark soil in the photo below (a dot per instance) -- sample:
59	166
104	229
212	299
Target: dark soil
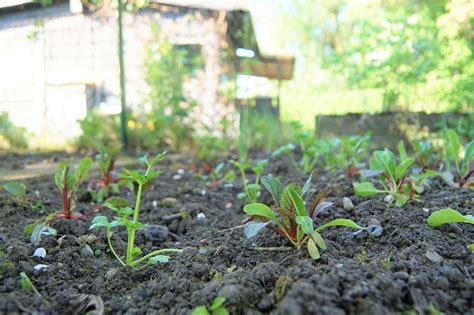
357	274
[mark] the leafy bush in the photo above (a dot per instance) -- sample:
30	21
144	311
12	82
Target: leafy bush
11	135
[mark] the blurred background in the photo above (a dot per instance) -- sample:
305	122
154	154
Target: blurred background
204	76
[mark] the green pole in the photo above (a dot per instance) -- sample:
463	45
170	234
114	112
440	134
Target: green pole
123	103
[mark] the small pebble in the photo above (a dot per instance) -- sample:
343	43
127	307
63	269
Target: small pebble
426	210
180	171
156	234
86	251
155	203
228	185
388	199
169	201
202	251
176	177
40	267
375	230
347	204
203	192
109	275
40	252
228	205
434	257
201	216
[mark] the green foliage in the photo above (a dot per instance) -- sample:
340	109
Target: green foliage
15	189
308	147
216	308
166	70
97	128
217	176
68	182
393	177
12	136
251	190
458	159
347	152
448	215
128	217
425	154
295	221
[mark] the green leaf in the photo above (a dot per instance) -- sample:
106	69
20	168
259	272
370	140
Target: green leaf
83	169
157	158
318	239
253	228
286	201
297	202
365	189
259	209
306	223
273	186
307	184
468	155
471	248
220	311
312	249
16	189
401	150
158	259
403	167
217	303
340	222
61	172
38	232
258	168
100	221
283	149
115	203
448	215
200	310
401	200
453	145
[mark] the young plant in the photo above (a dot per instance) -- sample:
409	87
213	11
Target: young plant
216	176
458	171
251	190
217	308
425	155
308	147
128	218
347	152
393	177
15	189
290	217
448	215
109	182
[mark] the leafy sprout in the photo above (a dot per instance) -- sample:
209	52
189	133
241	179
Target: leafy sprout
216	308
289	216
393	177
15	189
127	217
307	145
251	190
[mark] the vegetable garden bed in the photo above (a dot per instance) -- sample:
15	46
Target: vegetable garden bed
407	266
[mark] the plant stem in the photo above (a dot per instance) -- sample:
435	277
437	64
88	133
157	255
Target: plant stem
154	253
109	241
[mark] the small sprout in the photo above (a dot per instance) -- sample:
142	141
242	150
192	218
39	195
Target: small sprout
458	171
216	308
387	262
308	146
128	217
392	177
294	221
26	284
251	190
448	215
15	189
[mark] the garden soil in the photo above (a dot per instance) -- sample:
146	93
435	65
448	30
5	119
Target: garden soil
411	268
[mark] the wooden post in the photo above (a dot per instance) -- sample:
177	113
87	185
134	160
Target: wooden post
123	114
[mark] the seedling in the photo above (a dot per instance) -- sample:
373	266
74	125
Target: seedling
251	190
128	218
392	177
425	155
26	284
109	181
15	189
308	146
347	152
216	176
290	217
448	215
217	308
458	171
68	183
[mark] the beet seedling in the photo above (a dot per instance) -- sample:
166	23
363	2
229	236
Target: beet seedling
425	155
251	190
392	177
109	180
308	146
448	215
216	308
458	171
216	176
128	218
290	217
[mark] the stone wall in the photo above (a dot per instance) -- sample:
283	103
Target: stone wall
387	128
71	51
